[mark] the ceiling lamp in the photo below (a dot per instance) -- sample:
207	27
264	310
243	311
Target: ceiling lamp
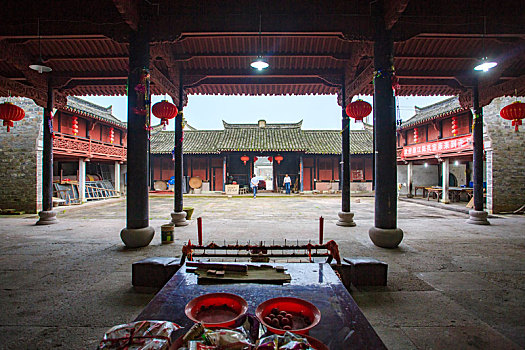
259	63
485	64
39	66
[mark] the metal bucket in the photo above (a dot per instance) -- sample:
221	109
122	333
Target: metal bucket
166	233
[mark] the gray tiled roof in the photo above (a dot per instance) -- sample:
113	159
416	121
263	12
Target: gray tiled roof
93	110
272	137
434	111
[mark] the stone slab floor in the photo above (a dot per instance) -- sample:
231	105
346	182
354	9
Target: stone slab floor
450	285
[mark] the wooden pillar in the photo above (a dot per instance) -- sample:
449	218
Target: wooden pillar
138	233
346	218
385	232
477	216
47	215
82	180
178	216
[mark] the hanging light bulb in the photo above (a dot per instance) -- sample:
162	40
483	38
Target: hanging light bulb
485	64
39	66
260	63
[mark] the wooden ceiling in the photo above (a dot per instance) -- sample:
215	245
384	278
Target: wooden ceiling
313	47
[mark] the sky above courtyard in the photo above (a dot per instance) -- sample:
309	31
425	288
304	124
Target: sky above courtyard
206	112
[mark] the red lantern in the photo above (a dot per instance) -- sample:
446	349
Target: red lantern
245	159
74	125
255	159
454	126
111	135
416	135
278	159
514	112
165	111
11	113
358	110
270	159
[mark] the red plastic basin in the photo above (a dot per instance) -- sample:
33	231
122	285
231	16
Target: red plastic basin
295	306
216	309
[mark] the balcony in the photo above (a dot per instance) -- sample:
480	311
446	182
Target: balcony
70	145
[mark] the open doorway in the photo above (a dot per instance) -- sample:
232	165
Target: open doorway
263	168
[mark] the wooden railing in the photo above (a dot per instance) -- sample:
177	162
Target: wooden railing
64	144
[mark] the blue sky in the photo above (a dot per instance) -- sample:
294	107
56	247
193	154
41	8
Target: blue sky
317	112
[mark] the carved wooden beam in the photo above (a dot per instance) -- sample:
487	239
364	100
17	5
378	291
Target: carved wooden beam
128	9
393	10
355	86
164	83
14	88
17	56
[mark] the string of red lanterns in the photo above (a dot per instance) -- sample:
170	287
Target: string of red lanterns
416	135
454	126
515	112
11	113
111	135
74	125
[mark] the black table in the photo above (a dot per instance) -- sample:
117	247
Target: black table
342	325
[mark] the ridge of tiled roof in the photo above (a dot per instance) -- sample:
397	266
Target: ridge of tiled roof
90	109
253	140
329	141
434	111
297	125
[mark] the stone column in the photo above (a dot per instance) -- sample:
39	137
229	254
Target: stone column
117	176
47	215
445	170
178	216
346	218
224	174
82	180
477	216
385	233
410	184
137	232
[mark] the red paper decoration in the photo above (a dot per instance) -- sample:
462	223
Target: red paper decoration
270	159
111	135
454	126
514	112
165	111
358	110
245	159
416	135
255	159
11	113
74	125
278	159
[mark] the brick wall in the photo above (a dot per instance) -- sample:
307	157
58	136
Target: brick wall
21	159
504	158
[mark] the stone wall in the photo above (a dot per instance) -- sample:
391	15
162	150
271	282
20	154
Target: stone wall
421	176
21	159
504	157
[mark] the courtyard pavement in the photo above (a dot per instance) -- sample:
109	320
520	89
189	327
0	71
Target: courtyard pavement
450	285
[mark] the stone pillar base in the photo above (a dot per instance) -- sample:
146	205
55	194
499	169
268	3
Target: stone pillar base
47	217
478	217
137	237
179	219
345	219
410	195
386	237
444	201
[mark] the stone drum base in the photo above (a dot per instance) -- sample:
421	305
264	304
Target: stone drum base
47	218
137	237
179	218
386	238
345	219
478	217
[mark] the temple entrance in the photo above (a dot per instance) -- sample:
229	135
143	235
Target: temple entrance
263	168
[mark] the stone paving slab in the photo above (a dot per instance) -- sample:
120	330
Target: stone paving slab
449	283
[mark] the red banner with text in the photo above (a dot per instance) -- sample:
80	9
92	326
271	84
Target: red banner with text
438	147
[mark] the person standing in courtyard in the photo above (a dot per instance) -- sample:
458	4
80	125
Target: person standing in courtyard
254	182
287	183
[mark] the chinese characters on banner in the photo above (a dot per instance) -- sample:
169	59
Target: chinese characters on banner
438	147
